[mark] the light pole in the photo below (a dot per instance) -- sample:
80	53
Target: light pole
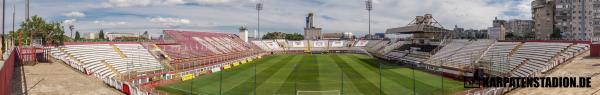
259	7
369	8
3	16
13	28
26	9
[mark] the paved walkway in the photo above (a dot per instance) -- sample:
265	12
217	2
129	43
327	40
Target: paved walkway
60	79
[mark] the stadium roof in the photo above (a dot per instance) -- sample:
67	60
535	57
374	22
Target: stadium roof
415	29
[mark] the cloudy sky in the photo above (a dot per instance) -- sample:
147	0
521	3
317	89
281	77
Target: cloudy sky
136	16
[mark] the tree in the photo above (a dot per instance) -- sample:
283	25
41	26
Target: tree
510	35
101	34
529	35
274	35
556	34
294	36
77	37
38	28
280	35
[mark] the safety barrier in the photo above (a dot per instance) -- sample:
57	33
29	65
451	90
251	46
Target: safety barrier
6	74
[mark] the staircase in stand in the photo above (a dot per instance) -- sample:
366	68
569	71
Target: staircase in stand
519	66
484	52
514	50
118	51
112	69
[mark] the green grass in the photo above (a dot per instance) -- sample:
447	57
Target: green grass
352	74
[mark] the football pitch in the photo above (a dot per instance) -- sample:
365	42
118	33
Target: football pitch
316	74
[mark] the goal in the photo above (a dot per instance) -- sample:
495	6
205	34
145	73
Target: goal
327	92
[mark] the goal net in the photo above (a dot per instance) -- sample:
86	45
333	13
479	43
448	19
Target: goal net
328	92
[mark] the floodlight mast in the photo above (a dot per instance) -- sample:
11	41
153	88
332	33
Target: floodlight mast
369	5
27	9
3	16
259	7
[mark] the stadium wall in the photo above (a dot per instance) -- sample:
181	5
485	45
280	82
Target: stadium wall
6	74
595	50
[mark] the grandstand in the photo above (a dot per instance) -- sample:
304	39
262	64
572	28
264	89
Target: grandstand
137	68
112	63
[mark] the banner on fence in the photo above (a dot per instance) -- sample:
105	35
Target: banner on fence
249	59
214	70
235	64
227	66
187	77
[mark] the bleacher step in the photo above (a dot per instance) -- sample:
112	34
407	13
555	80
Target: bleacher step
112	69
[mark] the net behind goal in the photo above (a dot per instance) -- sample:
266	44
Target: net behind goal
328	92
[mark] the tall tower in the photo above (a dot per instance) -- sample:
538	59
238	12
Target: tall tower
244	33
310	31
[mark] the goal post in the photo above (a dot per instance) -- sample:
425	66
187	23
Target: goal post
326	92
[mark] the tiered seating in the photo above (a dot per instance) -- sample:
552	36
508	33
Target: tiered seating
104	62
194	51
138	54
497	56
282	42
273	45
362	43
460	53
567	54
537	56
415	57
450	48
371	43
378	47
391	47
262	45
572	51
202	44
394	55
350	43
267	45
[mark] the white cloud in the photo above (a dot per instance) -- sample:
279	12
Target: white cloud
146	3
74	14
136	3
69	22
110	23
170	21
524	8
